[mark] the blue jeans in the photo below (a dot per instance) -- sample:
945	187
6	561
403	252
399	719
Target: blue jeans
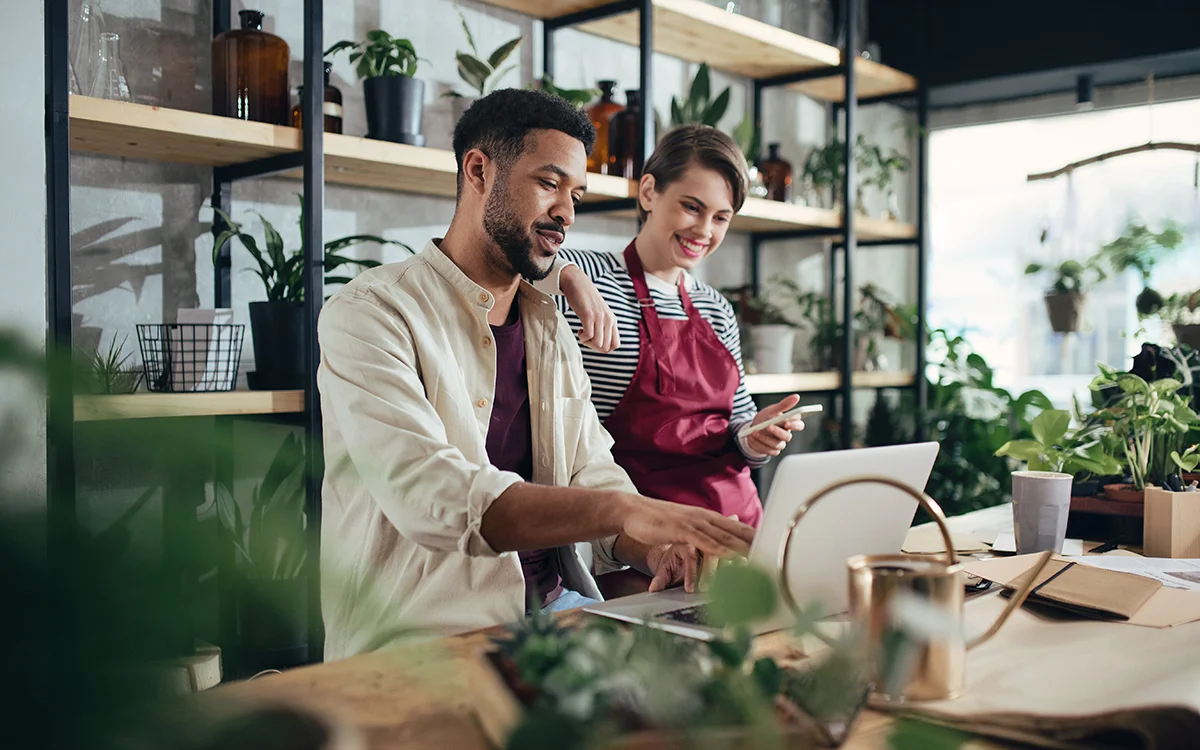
569	600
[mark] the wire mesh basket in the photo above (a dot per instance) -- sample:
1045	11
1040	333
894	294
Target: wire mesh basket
190	357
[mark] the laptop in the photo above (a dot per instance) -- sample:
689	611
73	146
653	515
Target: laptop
867	519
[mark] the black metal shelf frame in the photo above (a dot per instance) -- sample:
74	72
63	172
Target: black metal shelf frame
848	16
62	517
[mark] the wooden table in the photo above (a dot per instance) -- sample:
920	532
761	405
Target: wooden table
431	694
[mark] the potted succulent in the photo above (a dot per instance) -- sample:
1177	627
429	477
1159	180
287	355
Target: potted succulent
1152	421
395	99
108	371
1068	291
480	74
1141	249
277	325
698	107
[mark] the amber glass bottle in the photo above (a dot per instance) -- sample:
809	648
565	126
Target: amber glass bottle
332	106
601	114
250	73
624	142
777	173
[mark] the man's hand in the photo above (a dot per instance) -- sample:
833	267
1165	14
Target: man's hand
772	440
599	329
657	522
670	564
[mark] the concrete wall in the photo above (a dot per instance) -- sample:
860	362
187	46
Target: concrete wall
23	283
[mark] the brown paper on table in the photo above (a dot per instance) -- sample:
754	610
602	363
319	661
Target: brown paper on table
1071	683
1093	592
927	540
1166	608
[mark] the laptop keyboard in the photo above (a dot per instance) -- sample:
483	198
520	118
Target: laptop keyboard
696	614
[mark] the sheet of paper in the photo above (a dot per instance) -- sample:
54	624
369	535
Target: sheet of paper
1007	542
927	540
1176	573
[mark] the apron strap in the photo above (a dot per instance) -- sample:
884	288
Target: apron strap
654	333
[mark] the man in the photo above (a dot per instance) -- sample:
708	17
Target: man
464	460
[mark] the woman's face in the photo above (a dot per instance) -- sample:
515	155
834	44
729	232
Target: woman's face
687	219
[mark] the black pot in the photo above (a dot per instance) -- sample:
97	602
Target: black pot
278	329
1064	310
1088	488
394	108
273	623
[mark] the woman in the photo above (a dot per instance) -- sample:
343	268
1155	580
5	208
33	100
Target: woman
672	393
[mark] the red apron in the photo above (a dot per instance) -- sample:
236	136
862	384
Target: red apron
671	429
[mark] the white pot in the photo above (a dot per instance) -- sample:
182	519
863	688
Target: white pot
773	346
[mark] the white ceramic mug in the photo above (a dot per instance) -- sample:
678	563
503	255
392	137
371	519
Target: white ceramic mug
1041	502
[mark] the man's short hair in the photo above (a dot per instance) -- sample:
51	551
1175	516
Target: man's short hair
499	123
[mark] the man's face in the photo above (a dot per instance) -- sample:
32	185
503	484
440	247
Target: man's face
532	203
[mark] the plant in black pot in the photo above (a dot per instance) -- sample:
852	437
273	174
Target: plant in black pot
277	324
1068	291
270	548
395	99
1182	313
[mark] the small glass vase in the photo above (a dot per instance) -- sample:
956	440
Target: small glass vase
758	186
109	79
892	212
85	53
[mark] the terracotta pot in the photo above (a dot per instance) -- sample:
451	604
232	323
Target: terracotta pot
1063	310
1124	493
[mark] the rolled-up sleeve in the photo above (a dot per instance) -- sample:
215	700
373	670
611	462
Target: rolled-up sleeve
394	439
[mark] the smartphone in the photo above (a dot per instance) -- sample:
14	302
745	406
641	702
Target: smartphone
798	411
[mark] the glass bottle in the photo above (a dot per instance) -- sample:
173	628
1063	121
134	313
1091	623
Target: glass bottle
624	142
601	114
332	106
777	173
250	73
109	82
85	55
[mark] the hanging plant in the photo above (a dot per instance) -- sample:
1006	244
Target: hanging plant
1141	249
1065	297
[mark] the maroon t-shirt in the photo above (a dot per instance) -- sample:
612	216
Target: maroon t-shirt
510	444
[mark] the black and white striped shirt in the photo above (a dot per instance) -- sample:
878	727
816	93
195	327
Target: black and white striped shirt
612	373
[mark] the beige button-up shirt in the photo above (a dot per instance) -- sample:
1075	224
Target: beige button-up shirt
407	376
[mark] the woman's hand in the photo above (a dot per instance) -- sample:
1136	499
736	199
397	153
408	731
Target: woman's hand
599	329
772	440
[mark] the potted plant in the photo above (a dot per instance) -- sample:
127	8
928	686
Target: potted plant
1067	293
480	74
1182	313
878	316
277	324
1152	420
1052	448
577	97
825	167
880	169
270	548
698	107
772	336
1141	249
108	371
395	99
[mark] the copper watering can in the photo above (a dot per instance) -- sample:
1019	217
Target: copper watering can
933	669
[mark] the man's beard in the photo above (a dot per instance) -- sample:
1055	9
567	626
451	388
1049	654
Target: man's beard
511	236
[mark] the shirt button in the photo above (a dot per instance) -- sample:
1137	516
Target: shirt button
543	406
481	403
545	462
483	297
487	341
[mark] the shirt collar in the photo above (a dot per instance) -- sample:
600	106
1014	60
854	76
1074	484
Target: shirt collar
472	292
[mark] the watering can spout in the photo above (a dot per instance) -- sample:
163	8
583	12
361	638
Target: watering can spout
1016	601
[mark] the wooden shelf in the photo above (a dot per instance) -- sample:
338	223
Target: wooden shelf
698	32
136	131
1101	506
148	405
818	382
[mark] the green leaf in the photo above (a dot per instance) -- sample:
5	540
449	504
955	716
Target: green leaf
768	676
1050	426
1186	463
503	51
341	46
717	110
740	594
699	91
1022	450
473	71
467	31
329	280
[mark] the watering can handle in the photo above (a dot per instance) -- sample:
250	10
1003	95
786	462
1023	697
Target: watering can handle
1017	600
924	500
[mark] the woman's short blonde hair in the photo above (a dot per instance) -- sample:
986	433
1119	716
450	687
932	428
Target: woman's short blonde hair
704	146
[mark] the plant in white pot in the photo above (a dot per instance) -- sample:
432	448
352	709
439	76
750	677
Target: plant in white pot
277	325
1182	313
1067	293
481	74
394	97
772	335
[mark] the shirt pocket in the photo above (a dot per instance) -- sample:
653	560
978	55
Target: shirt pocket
570	415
